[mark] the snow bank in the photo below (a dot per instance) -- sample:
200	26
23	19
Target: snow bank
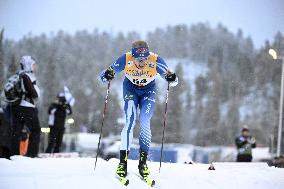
73	173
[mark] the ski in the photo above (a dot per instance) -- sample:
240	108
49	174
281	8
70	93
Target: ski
123	180
151	182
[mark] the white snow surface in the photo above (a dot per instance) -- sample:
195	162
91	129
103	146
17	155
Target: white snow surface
73	173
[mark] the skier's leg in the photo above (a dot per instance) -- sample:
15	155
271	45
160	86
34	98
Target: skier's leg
34	139
51	140
142	166
126	135
122	166
249	158
147	107
244	158
17	125
130	108
58	140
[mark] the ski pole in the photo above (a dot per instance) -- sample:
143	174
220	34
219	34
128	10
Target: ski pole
165	118
98	149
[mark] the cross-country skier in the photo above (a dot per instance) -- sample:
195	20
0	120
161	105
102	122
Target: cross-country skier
140	67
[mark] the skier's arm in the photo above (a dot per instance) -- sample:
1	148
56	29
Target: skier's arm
52	108
162	67
114	68
31	91
240	141
119	64
68	109
253	145
252	142
163	70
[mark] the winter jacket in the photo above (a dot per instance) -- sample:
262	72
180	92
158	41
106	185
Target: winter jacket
29	86
30	90
59	111
245	145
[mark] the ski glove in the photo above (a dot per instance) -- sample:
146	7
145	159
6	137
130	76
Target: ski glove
109	74
251	140
170	77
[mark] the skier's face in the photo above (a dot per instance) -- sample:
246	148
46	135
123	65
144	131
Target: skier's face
34	67
140	62
245	133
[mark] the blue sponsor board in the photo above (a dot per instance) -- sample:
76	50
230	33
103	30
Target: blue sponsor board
201	156
154	155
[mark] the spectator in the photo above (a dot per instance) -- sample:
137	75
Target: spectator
244	144
57	114
25	113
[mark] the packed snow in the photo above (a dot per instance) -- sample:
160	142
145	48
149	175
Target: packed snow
73	173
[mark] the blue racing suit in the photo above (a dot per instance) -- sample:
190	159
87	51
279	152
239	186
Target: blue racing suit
139	90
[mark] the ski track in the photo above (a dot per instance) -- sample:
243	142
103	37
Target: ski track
79	173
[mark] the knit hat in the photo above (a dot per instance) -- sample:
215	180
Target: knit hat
245	128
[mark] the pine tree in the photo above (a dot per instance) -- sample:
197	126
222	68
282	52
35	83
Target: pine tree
12	67
201	88
2	77
176	109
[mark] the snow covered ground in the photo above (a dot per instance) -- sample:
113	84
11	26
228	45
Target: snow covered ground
73	173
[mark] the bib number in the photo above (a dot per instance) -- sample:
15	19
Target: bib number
139	81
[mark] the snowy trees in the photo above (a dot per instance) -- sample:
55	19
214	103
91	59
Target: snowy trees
242	85
176	110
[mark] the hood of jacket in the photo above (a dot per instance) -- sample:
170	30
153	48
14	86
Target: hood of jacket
26	63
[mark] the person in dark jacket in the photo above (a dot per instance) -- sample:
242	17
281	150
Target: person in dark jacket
5	136
244	144
26	112
57	114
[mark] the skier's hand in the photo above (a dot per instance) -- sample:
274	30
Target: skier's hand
109	74
66	105
251	140
170	77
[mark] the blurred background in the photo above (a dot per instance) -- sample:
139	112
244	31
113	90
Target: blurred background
219	50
